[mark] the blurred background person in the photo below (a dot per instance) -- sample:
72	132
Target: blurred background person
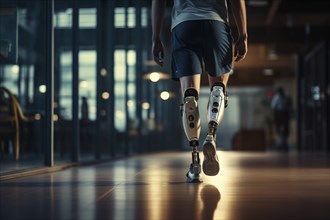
281	105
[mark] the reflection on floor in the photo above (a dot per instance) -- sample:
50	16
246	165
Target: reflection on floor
249	186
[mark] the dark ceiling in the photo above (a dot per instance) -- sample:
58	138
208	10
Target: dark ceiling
278	31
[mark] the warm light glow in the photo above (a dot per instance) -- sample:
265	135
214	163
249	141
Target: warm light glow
103	72
268	72
105	95
130	103
145	105
154	76
131	57
15	69
37	117
55	117
42	88
156	199
83	84
120	115
165	95
223	183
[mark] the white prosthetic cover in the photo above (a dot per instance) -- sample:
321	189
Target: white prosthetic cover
192	126
190	119
216	105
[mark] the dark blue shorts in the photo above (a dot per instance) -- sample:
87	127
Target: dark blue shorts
201	46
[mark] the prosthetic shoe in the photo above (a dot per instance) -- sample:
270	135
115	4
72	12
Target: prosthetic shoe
215	111
211	165
193	176
192	126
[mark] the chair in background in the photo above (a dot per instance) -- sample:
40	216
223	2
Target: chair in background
11	116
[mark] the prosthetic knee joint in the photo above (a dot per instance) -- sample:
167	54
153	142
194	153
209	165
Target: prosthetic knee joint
191	124
216	105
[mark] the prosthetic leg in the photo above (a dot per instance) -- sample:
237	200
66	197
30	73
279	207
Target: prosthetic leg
192	126
215	111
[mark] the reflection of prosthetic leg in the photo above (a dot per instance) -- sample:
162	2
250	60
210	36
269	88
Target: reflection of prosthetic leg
215	111
191	125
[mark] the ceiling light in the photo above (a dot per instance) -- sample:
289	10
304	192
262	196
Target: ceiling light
268	72
165	95
154	76
105	95
145	105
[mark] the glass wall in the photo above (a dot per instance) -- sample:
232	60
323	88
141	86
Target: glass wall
80	74
23	69
71	39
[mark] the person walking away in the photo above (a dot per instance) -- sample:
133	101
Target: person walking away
281	105
202	42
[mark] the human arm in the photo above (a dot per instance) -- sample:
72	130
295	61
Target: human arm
239	12
157	14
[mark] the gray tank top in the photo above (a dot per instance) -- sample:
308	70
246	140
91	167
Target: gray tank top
187	10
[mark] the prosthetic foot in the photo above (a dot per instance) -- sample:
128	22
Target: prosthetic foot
215	111
191	125
193	174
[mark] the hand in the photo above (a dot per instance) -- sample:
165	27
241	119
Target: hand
158	52
240	48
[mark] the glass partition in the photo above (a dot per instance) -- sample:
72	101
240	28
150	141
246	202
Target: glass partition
104	104
22	84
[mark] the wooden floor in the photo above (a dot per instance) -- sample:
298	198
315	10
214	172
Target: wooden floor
254	186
